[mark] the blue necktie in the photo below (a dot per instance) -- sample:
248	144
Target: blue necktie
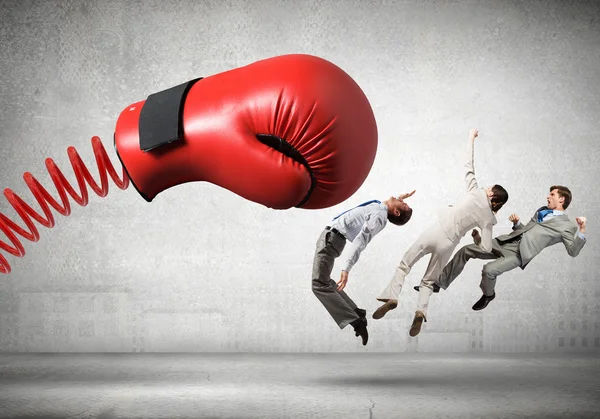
543	213
361	205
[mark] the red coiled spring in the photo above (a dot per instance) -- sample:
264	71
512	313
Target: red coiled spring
44	198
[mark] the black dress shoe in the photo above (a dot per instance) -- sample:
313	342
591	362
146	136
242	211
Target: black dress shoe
436	288
483	302
360	329
362	314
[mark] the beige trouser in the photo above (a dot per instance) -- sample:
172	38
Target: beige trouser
433	241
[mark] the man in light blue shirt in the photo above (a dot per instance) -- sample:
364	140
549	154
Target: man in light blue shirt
548	226
358	225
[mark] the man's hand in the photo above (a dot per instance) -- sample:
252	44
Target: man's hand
581	223
343	281
514	218
406	195
476	237
473	133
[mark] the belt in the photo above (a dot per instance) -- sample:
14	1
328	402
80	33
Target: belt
335	231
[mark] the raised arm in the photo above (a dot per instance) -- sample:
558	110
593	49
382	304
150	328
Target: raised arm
469	165
403	196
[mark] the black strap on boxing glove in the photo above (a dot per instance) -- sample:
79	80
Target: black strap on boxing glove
161	117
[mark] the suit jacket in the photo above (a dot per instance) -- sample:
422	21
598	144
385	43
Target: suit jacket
472	210
537	236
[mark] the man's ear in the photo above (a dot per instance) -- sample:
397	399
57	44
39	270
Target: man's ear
397	212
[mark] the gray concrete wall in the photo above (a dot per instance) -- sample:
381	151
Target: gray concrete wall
201	269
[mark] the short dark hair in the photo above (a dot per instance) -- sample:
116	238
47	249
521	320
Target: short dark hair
499	198
401	219
563	192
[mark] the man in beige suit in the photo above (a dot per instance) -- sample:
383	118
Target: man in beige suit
548	226
476	209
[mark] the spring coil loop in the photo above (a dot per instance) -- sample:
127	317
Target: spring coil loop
45	199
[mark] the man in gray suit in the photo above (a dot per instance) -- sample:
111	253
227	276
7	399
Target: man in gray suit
548	226
358	225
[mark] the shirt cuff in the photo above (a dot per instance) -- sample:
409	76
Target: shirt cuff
347	265
581	235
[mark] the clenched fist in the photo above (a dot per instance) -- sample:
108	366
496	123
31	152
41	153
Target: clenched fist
581	223
476	236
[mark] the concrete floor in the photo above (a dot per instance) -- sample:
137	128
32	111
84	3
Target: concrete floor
365	386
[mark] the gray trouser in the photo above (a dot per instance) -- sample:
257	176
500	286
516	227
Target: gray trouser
330	246
507	257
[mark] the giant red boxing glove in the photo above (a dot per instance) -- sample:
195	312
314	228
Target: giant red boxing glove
293	130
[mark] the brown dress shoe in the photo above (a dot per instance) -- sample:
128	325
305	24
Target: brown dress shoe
387	306
417	322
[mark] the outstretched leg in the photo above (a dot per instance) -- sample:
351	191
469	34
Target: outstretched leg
340	308
361	312
454	268
420	248
423	246
509	261
439	257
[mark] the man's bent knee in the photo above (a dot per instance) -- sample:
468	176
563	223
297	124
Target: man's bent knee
318	283
490	273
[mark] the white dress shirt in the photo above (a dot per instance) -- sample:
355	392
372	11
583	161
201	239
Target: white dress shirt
359	226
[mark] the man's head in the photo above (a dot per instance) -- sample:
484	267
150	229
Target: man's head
498	197
398	211
559	198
